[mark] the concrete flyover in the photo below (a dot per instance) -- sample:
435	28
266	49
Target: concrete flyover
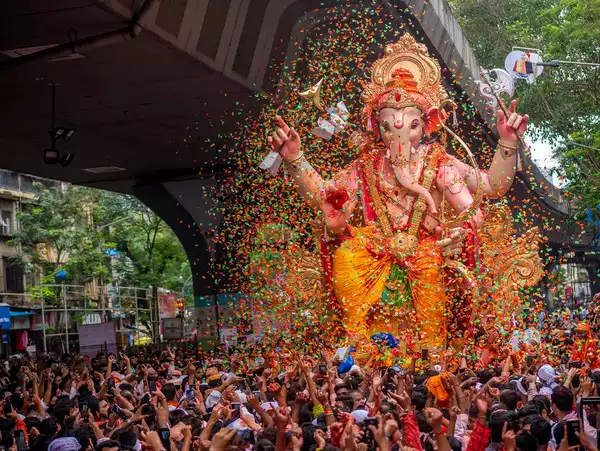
138	78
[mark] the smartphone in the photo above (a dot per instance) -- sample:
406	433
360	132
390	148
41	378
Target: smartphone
152	384
165	438
368	437
572	428
257	394
243	437
83	408
7	408
589	401
242	385
323	369
575	364
236	406
116	409
191	396
370	421
20	440
111	384
425	354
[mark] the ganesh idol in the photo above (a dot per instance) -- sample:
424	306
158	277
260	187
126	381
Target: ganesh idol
386	250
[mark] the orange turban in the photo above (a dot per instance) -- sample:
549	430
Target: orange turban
435	386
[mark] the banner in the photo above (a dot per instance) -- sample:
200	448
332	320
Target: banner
172	328
5	316
167	303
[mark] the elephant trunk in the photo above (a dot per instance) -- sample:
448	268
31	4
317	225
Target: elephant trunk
406	181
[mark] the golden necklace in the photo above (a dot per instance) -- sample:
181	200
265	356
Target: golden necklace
383	219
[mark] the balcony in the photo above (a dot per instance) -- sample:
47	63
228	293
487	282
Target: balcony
21	300
22	184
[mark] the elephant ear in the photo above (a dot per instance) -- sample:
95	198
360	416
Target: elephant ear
432	119
373	127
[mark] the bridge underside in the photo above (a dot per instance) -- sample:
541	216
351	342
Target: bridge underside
148	106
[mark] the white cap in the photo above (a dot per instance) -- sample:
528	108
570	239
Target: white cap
546	373
360	415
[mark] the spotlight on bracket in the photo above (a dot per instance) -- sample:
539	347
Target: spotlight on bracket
64	133
51	156
66	159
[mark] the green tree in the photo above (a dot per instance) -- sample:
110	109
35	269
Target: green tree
564	104
149	252
98	234
56	232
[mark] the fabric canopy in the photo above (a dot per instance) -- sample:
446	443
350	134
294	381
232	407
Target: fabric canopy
20	313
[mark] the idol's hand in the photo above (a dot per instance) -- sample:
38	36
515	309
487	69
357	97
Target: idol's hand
285	139
515	125
452	244
333	199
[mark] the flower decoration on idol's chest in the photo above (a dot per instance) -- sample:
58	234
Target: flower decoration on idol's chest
405	77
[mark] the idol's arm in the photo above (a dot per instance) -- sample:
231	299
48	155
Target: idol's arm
307	180
501	174
335	198
457	192
498	180
511	127
496	183
459	240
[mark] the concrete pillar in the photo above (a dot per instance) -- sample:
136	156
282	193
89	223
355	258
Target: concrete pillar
189	208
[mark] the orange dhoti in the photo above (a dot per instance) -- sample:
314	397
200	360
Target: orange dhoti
363	275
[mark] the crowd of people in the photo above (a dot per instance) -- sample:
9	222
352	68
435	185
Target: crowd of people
508	396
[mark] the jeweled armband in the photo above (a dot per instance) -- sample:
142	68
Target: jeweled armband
296	163
507	150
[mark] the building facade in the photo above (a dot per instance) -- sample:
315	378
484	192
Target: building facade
21	317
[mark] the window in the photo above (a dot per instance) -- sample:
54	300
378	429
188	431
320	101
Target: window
13	275
6	222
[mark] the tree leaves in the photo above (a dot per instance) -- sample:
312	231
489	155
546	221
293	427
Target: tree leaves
564	104
74	228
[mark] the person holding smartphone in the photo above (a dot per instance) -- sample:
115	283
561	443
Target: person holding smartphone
562	405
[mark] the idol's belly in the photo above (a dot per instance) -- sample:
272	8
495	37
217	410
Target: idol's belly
399	218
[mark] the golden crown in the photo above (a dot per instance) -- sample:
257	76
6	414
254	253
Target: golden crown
399	98
405	57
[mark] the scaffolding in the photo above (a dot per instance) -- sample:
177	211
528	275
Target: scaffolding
123	305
